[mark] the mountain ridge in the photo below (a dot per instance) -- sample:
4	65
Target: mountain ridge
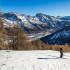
37	26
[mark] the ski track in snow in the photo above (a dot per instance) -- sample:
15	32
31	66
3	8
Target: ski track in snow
33	60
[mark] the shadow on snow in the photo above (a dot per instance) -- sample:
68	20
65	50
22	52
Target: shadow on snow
52	58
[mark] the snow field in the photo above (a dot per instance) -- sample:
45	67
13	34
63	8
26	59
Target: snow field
33	60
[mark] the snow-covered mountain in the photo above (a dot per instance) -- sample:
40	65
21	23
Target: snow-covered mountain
61	36
37	26
40	22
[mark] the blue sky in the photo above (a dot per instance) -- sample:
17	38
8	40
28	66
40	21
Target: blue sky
31	7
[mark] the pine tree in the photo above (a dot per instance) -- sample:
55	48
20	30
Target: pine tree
3	36
19	39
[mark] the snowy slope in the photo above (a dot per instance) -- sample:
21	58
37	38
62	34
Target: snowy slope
61	36
33	60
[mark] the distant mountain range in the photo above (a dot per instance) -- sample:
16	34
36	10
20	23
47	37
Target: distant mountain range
41	25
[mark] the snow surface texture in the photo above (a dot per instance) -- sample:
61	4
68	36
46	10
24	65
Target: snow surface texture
33	60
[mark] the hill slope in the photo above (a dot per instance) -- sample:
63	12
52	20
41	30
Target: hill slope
34	60
61	36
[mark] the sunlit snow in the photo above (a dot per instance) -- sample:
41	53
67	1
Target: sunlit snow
33	60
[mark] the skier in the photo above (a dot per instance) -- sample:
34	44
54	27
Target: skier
61	52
